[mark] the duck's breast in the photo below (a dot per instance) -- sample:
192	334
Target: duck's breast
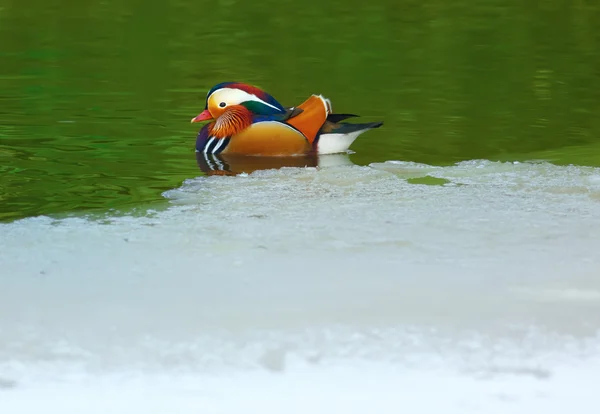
270	138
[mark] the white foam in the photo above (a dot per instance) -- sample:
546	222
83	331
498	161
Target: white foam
498	379
357	388
364	291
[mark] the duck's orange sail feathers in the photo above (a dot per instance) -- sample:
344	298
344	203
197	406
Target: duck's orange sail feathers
314	113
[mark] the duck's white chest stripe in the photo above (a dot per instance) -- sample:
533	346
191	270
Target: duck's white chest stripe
215	145
208	145
220	144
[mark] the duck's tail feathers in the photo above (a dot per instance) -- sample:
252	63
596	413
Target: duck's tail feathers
337	137
335	118
346	128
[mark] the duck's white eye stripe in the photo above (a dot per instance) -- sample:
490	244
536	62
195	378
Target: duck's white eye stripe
237	96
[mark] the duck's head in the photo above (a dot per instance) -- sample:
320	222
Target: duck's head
235	96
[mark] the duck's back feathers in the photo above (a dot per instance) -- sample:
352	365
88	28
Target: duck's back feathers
280	117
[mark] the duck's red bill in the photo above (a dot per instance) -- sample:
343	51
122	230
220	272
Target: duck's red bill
205	115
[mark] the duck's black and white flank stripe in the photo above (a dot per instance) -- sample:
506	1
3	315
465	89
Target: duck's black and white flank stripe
215	145
210	145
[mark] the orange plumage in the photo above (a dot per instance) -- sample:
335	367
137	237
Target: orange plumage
249	121
314	113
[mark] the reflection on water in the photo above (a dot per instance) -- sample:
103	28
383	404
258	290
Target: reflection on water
236	164
95	102
233	164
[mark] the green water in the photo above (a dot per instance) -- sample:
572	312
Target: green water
96	97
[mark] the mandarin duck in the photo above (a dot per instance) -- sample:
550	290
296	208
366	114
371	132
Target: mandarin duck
245	120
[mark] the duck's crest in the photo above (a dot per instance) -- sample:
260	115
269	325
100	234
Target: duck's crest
253	90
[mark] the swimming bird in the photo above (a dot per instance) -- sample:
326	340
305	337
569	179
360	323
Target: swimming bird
246	120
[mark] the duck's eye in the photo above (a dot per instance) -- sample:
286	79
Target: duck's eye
222	104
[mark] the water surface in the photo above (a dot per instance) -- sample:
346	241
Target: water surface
96	98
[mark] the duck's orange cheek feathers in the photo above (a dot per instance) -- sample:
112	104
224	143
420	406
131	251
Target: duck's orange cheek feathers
232	121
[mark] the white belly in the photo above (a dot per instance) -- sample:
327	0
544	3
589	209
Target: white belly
336	143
